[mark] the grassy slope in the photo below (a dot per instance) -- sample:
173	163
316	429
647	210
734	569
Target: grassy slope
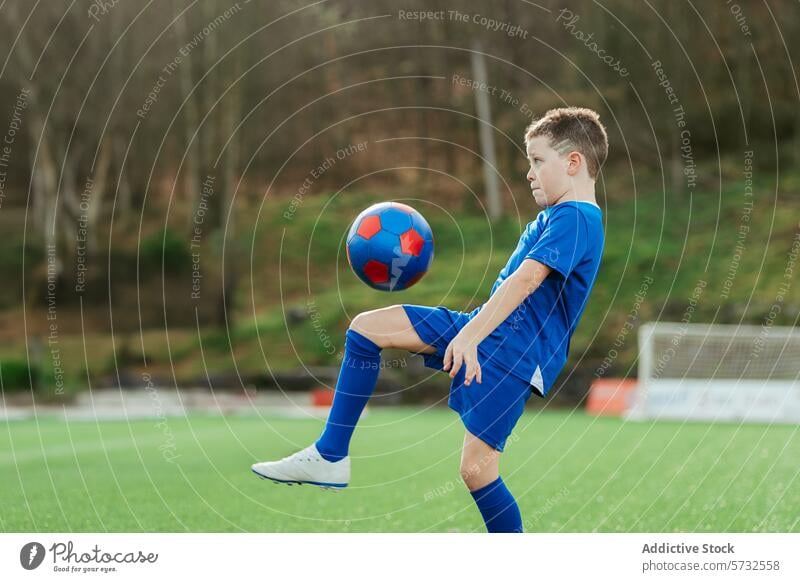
301	259
678	246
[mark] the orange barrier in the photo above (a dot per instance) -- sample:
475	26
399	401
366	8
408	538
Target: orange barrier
610	396
321	397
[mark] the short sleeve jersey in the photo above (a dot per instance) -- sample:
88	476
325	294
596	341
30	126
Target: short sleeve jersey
533	342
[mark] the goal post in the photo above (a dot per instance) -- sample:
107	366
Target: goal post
718	372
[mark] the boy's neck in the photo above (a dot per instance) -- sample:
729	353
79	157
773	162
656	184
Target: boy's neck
584	194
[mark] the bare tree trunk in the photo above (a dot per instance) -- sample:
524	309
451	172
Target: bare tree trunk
486	134
125	195
42	182
99	189
123	192
69	204
192	173
212	85
45	183
677	71
231	112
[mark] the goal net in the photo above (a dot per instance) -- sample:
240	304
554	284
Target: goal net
718	372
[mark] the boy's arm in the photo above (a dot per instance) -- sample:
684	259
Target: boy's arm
511	293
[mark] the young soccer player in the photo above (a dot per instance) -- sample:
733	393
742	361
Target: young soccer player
498	354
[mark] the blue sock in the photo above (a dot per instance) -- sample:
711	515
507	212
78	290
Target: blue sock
357	377
498	508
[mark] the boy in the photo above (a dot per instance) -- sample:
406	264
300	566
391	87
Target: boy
516	343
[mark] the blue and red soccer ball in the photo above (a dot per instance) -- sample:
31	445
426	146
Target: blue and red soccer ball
390	246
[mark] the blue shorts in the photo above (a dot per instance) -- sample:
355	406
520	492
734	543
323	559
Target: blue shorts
489	410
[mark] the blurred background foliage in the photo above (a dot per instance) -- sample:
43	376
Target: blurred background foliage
124	114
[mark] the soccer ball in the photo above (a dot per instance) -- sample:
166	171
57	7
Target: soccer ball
390	246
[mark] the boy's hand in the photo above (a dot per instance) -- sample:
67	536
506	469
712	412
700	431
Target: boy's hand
463	350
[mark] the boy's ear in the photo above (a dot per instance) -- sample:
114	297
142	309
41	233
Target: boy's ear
574	162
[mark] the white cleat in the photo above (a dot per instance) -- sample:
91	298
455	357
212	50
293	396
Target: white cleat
306	466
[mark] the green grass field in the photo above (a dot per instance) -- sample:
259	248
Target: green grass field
570	471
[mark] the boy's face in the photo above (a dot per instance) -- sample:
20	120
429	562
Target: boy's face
548	174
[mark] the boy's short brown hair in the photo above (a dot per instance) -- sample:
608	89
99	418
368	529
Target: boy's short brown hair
573	129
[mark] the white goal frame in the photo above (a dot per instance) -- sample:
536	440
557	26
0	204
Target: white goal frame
716	372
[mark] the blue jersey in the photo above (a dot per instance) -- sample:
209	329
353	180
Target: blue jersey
533	342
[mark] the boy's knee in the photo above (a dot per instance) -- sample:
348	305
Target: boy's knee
474	474
467	476
363	323
379	325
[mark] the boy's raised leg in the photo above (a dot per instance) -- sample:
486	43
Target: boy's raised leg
357	378
326	462
369	333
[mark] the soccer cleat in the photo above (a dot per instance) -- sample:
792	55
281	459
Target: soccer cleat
306	466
